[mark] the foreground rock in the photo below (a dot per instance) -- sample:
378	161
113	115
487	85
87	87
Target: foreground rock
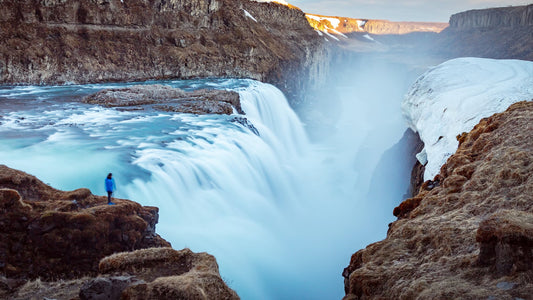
468	234
50	234
166	98
55	243
160	273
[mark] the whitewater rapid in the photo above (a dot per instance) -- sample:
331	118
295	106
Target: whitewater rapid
281	214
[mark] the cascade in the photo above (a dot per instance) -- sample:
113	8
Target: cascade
281	214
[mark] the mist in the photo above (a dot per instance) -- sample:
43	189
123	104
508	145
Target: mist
282	209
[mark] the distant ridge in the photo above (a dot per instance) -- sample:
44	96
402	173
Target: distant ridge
342	25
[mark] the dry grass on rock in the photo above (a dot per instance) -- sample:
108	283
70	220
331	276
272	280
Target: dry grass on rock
470	236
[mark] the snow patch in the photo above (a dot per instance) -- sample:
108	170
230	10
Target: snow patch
246	13
368	37
330	35
454	96
275	1
333	21
361	23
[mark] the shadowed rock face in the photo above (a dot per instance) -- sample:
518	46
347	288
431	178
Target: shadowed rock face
468	234
166	98
52	234
95	41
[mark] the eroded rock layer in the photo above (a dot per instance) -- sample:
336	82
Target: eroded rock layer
468	234
93	41
508	31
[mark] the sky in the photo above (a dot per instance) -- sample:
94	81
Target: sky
399	10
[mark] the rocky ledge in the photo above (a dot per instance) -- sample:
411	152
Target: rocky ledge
55	244
467	234
165	98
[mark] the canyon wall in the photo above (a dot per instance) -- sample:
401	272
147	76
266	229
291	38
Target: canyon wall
55	42
493	33
388	27
344	25
468	234
514	17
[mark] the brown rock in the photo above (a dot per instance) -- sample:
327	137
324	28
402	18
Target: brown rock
166	98
506	242
97	41
52	234
169	274
466	232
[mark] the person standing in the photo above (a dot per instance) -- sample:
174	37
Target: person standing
110	187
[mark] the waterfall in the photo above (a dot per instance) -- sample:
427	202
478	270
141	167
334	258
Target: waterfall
281	214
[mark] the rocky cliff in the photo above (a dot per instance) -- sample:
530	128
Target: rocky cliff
48	233
514	17
61	240
348	25
468	234
78	41
507	30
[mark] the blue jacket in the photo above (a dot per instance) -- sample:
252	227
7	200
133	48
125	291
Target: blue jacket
110	185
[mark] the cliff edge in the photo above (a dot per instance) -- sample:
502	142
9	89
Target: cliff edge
72	245
506	29
55	42
468	234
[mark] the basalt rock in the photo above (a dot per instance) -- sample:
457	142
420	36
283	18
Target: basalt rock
50	42
166	98
506	29
466	235
51	234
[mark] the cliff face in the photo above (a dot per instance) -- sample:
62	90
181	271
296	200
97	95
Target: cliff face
514	17
388	27
469	233
78	247
51	234
507	30
113	40
348	25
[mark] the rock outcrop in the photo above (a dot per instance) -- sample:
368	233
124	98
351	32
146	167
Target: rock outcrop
468	234
50	234
159	273
72	245
48	42
165	98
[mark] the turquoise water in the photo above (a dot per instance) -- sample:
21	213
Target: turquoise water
281	214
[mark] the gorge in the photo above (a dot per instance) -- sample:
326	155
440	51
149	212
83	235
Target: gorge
282	187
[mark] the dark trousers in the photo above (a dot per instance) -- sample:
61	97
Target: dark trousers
109	196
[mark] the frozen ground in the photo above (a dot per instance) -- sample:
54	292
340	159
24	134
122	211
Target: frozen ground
454	96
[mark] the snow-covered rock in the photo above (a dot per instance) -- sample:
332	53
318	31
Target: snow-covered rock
454	96
276	1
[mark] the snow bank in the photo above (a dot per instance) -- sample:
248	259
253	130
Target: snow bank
246	13
276	1
453	97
